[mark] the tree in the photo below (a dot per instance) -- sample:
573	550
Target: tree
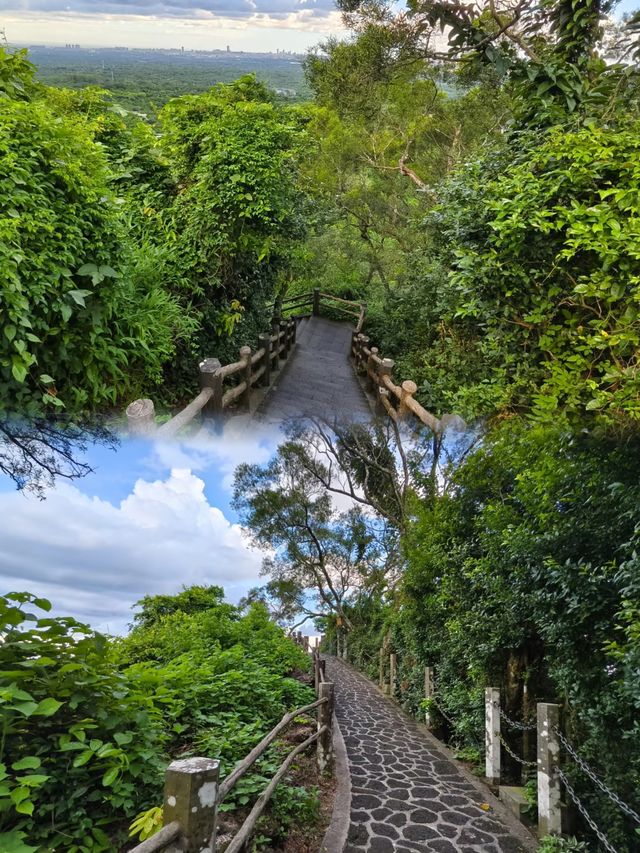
318	549
193	599
37	453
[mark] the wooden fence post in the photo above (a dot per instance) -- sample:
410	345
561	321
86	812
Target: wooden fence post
429	691
275	333
264	342
325	718
407	390
141	417
392	674
370	365
345	646
245	355
190	792
384	369
316	301
381	669
210	378
492	734
549	790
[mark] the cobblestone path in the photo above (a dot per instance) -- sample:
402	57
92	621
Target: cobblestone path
406	794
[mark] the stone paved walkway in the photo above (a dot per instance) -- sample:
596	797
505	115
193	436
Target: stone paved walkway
319	380
406	794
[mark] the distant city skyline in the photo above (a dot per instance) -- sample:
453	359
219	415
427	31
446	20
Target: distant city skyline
288	25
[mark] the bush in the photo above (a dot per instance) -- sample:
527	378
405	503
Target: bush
87	733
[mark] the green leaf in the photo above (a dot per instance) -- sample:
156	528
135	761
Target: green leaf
18	370
87	269
48	707
48	380
78	296
110	776
29	762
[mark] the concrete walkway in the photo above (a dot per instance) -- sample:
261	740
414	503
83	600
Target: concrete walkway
407	795
319	380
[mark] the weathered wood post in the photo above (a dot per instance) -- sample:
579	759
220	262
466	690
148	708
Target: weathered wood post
345	646
429	692
316	301
381	669
291	334
492	734
141	417
275	337
245	356
384	369
325	718
407	390
190	792
305	644
549	789
370	364
294	330
211	378
393	661
264	342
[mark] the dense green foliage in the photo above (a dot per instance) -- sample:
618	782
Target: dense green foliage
129	253
89	723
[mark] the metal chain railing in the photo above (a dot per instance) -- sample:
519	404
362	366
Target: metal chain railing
585	814
513	755
442	711
514	724
582	764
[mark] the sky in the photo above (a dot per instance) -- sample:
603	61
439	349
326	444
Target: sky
152	518
251	25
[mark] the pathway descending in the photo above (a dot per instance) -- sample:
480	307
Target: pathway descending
406	794
319	379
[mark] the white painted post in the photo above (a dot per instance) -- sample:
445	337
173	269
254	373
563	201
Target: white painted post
190	793
429	691
549	788
492	734
392	674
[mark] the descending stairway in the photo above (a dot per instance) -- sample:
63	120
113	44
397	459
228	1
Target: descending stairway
319	380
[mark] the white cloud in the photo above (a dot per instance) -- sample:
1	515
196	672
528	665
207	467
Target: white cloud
240	440
94	559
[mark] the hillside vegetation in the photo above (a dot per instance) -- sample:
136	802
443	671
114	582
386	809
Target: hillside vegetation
90	723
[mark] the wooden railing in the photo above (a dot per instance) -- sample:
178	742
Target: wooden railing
222	385
396	400
314	300
253	368
193	792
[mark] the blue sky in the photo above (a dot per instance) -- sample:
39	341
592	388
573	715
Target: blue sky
151	518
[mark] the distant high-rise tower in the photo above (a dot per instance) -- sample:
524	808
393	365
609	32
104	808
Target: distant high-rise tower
228	49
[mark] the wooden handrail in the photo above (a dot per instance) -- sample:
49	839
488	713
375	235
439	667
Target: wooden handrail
170	428
396	400
247	828
160	840
340	299
212	400
247	763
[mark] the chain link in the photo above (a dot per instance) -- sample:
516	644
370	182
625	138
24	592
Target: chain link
582	764
516	757
585	814
442	711
523	727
